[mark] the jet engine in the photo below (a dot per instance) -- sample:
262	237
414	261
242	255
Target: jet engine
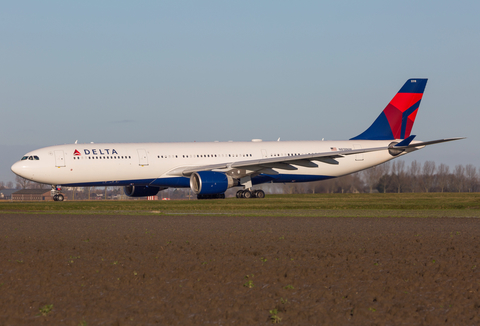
395	151
209	182
141	191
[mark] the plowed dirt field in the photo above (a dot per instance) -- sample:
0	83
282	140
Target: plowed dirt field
234	270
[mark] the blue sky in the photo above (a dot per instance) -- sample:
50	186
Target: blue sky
154	71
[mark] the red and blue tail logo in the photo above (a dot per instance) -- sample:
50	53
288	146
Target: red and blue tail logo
396	120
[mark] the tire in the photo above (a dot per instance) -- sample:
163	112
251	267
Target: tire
259	194
239	194
60	197
247	194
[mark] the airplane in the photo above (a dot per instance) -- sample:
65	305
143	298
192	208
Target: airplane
210	168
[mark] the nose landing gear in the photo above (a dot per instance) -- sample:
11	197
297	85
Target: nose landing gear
58	197
56	194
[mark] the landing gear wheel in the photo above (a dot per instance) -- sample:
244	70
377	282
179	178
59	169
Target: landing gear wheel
247	194
58	197
259	194
239	194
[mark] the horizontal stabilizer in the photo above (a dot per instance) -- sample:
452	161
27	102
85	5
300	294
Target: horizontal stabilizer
431	142
405	142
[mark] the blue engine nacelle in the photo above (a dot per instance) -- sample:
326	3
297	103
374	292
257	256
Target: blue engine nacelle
209	182
141	191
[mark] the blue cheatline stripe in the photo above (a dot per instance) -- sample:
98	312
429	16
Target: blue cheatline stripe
183	182
138	182
281	178
176	182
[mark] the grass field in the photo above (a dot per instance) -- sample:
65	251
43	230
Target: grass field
329	205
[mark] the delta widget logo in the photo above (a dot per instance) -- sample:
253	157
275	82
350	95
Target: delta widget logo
96	151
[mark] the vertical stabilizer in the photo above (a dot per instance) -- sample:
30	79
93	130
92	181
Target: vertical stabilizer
396	120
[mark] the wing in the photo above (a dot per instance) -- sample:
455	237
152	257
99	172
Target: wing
266	165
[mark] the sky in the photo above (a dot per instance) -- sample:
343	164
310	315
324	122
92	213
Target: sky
170	71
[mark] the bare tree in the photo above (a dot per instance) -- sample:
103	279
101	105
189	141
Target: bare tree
471	177
402	176
442	177
385	171
458	178
22	183
414	171
9	185
372	175
428	175
395	181
2	185
398	175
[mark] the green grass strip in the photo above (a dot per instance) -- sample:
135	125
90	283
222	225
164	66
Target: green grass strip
331	205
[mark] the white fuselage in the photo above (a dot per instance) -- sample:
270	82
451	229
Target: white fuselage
160	163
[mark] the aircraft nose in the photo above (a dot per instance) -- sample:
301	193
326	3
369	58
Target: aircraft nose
19	169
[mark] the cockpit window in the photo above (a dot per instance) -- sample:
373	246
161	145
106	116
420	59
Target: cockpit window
31	158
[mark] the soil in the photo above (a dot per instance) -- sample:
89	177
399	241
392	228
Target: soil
191	270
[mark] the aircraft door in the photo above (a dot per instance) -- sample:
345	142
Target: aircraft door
59	159
142	157
264	153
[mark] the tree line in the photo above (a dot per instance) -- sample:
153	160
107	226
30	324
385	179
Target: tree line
393	176
397	176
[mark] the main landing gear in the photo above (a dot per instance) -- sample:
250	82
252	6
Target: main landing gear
57	196
250	194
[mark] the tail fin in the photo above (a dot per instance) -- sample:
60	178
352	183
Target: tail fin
396	120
